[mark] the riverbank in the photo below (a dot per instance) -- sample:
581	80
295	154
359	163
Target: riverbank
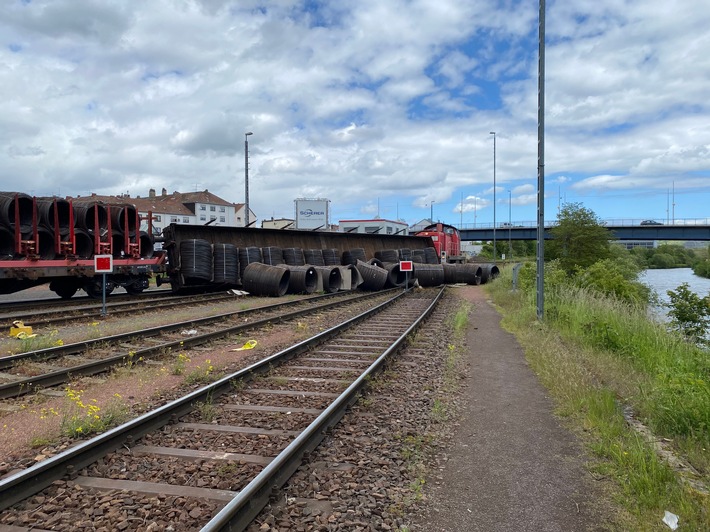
610	369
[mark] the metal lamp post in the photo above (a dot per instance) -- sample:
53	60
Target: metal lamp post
431	212
494	194
246	178
510	224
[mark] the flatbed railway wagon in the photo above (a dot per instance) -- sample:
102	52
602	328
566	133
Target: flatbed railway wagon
52	240
178	239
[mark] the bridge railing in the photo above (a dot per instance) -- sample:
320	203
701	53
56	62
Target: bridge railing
615	222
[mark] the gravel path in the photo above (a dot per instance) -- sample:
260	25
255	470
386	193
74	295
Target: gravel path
511	466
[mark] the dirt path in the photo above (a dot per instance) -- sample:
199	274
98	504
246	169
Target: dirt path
511	466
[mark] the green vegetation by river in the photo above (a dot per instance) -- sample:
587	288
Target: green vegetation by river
628	385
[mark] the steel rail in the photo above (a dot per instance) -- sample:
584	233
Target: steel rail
60	376
250	500
37	477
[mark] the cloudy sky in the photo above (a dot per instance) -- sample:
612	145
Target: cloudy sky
381	106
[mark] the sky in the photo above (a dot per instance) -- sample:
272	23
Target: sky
383	107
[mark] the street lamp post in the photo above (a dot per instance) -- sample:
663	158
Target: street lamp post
494	194
431	211
510	224
246	178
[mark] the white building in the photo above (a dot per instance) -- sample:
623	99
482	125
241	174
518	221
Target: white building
376	226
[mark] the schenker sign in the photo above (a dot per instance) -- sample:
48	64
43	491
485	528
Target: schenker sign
311	213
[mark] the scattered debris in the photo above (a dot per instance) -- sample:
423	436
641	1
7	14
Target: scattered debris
251	344
671	520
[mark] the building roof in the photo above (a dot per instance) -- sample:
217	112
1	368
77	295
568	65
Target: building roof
175	203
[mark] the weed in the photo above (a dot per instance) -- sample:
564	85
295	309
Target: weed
179	365
201	374
84	418
207	410
438	411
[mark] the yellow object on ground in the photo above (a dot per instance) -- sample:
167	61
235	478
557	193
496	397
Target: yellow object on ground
20	330
251	344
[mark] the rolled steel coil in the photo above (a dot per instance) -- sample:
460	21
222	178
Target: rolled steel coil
147	244
225	264
7	243
83	243
373	277
122	215
294	256
405	254
387	255
395	277
303	280
374	261
429	274
315	257
196	260
272	255
45	247
47	207
470	273
331	278
25	210
418	256
264	280
489	272
431	255
331	257
450	273
248	255
85	213
118	244
352	256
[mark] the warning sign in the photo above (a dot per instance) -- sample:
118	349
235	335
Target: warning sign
406	266
103	263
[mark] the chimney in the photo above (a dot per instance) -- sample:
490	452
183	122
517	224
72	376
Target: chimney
165	192
151	193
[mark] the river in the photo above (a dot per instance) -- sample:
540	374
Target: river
669	279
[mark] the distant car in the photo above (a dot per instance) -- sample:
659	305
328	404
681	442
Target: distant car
651	222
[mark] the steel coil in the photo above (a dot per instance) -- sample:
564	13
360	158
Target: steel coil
331	257
45	245
405	254
196	261
387	255
373	277
264	280
418	255
450	273
330	276
84	244
429	274
431	255
314	257
303	280
123	215
247	256
225	264
470	273
25	208
294	256
48	207
352	256
395	277
147	244
86	212
489	271
272	255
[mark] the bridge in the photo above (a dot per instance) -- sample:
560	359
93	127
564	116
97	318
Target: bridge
622	230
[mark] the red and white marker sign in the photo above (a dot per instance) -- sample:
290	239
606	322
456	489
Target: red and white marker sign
103	263
406	266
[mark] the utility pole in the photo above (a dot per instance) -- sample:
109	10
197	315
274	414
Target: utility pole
246	178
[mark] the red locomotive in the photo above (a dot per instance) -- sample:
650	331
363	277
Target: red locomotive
447	241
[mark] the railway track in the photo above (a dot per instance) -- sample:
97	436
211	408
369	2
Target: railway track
212	458
50	312
35	370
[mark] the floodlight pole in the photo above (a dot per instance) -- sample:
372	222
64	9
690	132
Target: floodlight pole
246	178
540	281
494	194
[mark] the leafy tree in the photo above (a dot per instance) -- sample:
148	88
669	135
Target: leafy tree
579	238
615	277
689	313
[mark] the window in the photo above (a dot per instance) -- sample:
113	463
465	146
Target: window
221	219
213	217
174	219
203	208
185	220
389	230
221	209
156	218
213	208
203	217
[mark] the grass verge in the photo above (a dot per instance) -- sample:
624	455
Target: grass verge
600	359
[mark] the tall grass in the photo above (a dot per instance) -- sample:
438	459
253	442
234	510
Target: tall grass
599	355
